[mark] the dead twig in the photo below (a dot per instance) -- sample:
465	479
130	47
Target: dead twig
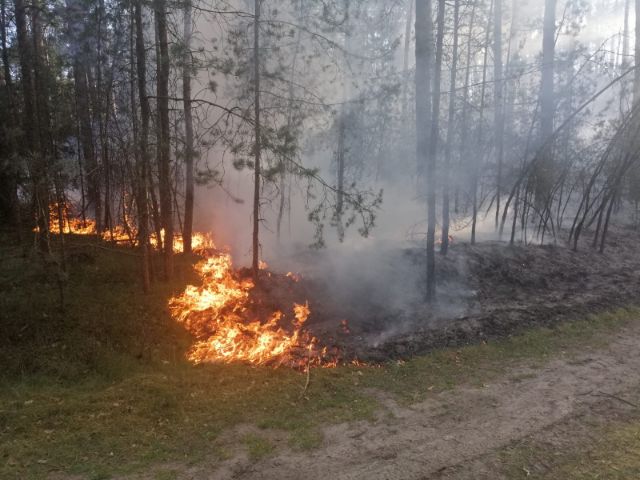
609	395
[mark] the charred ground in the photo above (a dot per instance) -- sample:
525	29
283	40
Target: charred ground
486	291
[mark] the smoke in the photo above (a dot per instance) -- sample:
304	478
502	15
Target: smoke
379	280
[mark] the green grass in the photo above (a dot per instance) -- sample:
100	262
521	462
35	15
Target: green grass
102	389
257	446
610	452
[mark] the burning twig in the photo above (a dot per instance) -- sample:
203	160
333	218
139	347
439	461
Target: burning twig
221	314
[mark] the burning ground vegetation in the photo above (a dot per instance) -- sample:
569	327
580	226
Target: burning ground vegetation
230	318
368	308
65	218
233	320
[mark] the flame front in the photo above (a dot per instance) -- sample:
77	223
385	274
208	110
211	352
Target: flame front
217	312
126	233
221	312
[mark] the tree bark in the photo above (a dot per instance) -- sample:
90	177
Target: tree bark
433	155
498	102
31	125
544	172
255	264
636	79
450	131
142	149
426	162
478	157
10	188
464	124
405	59
189	153
424	60
163	135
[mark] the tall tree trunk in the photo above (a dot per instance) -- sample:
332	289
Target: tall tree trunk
255	264
284	192
142	149
405	59
340	153
32	148
163	135
424	56
433	155
188	129
544	172
624	92
636	79
446	186
464	124
86	137
13	172
478	157
424	61
498	102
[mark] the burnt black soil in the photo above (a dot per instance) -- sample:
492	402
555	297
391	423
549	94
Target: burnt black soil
371	307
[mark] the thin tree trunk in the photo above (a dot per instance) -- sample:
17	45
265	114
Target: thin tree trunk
625	56
32	148
424	60
142	149
284	191
433	153
405	59
478	156
426	162
258	146
464	124
188	129
498	102
636	79
163	136
544	171
13	203
450	131
340	167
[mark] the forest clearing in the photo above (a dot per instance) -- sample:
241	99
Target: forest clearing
314	239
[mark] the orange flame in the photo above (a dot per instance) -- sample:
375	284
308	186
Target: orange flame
216	313
125	233
219	312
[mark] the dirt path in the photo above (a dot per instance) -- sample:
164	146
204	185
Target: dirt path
456	432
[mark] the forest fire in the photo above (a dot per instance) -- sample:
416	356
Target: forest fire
222	316
121	233
223	313
69	223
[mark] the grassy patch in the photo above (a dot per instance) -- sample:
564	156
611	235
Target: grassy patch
166	475
610	452
102	389
257	446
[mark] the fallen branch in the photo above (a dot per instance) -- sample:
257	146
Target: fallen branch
609	395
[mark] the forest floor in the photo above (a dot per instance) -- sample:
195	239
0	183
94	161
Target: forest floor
101	390
485	291
568	416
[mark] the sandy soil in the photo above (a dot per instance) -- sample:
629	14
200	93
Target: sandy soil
455	435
